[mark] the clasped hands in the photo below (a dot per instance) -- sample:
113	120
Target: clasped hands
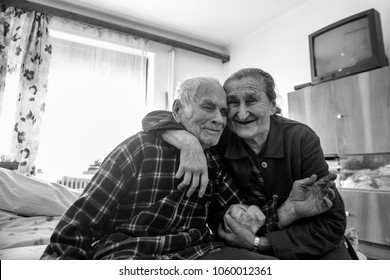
307	198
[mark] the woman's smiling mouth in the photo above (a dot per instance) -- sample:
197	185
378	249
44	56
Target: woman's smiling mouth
244	122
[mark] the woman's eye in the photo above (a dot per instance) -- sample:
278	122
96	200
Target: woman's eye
232	103
251	100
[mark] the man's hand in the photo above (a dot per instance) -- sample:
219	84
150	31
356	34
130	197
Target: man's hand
239	236
193	165
307	198
235	234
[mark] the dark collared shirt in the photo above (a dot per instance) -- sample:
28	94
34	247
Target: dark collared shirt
292	152
132	209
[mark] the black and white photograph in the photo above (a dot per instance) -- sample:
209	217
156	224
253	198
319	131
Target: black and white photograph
235	133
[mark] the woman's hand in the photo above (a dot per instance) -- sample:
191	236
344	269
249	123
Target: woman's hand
193	162
249	217
307	198
311	197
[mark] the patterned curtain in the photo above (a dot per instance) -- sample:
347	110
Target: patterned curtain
25	47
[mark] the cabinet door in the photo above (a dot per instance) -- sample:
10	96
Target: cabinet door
315	107
363	110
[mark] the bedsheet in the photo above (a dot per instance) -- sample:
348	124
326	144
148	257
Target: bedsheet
24	238
30	208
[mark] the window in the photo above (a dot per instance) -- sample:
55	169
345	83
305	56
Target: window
94	101
7	116
97	96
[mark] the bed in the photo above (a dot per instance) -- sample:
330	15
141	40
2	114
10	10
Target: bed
30	208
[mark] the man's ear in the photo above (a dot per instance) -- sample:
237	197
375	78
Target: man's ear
176	110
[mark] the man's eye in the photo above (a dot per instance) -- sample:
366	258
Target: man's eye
208	108
224	112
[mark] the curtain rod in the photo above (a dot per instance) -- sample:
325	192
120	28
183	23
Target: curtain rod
104	24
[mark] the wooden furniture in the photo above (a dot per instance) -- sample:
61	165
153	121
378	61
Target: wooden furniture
368	211
351	116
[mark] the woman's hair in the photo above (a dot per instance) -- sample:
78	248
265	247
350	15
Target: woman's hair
187	90
262	77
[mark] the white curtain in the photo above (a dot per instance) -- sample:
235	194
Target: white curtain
25	53
96	96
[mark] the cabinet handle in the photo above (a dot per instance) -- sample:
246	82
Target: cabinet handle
339	116
347	213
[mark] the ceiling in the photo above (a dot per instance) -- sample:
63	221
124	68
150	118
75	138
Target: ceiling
219	22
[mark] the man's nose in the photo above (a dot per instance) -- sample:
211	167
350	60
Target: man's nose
219	119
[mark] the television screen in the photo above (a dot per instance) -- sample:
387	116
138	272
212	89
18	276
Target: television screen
342	47
346	47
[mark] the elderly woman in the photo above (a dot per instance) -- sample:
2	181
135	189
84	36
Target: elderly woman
265	153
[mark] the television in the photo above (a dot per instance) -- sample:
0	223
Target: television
346	47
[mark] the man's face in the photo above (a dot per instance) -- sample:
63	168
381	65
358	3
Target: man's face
208	117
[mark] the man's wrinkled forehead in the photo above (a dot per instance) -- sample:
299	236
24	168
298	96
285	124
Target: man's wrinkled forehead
208	88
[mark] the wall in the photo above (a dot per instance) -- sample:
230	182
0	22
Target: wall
282	49
186	65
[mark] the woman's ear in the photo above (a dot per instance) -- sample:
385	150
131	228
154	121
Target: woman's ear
274	108
176	110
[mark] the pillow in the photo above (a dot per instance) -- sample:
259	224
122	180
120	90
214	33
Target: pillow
29	196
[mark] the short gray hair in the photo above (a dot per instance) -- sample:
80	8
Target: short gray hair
187	90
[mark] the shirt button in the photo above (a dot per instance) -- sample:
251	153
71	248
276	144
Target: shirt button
264	164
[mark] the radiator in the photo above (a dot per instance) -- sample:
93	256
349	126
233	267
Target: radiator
74	183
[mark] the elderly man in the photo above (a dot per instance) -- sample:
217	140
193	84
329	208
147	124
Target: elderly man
132	208
265	153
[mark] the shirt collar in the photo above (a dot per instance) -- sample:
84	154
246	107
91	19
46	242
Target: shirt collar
237	148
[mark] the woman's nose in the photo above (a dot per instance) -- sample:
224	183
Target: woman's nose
242	112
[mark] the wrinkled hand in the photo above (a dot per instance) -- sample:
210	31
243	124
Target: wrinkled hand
249	217
234	234
193	165
310	198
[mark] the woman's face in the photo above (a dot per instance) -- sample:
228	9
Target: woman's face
249	108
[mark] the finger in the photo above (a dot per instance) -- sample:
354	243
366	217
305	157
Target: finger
186	181
327	179
221	232
326	204
330	194
226	227
194	184
332	176
330	186
231	223
179	172
204	181
310	181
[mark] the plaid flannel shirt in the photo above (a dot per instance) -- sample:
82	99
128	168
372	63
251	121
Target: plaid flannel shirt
132	209
159	121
